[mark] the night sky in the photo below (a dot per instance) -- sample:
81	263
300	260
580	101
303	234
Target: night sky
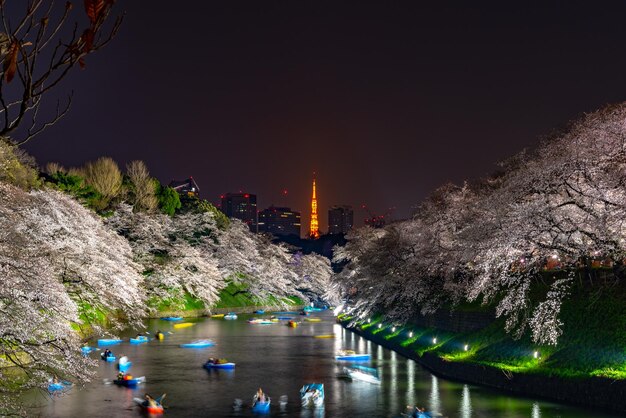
385	100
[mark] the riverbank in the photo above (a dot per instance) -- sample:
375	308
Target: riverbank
592	392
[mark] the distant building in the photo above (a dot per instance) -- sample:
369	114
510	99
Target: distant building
340	219
241	206
187	187
279	221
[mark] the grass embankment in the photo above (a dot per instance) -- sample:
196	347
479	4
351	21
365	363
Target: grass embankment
593	341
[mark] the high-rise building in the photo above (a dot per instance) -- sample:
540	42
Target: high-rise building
340	219
279	221
241	206
314	230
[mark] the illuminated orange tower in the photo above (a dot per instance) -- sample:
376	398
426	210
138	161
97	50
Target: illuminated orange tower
314	231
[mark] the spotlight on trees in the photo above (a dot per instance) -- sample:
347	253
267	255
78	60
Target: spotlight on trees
536	354
465	347
380	326
411	334
369	320
435	340
393	329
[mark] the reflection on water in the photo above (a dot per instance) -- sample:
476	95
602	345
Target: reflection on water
435	404
465	411
281	360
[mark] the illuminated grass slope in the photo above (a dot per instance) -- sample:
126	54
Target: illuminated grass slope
593	341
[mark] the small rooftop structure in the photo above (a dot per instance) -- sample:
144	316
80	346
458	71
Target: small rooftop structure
187	187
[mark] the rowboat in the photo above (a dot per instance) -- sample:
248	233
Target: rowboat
152	410
58	386
365	374
109	341
230	315
312	395
184	325
349	355
221	315
172	318
209	365
129	383
258	321
261	407
313	319
107	358
140	339
198	344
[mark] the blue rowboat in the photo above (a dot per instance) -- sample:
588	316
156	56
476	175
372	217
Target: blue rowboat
285	313
122	367
198	344
208	365
87	350
312	395
107	358
259	312
139	340
230	315
109	341
285	318
353	357
262	407
172	318
59	386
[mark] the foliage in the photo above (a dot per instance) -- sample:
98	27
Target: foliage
167	198
196	205
558	208
105	177
17	167
43	41
142	191
74	185
56	257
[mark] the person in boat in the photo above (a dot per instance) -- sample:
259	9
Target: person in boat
123	359
158	335
120	376
150	401
107	353
260	396
418	412
211	360
139	335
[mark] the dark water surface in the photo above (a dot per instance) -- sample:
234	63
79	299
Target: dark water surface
280	360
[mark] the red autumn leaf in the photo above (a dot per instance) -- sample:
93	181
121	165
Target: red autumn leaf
87	38
94	9
10	62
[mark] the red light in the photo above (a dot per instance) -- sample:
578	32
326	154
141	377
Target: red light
222	196
246	195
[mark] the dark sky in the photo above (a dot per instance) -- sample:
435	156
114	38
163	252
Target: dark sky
385	100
